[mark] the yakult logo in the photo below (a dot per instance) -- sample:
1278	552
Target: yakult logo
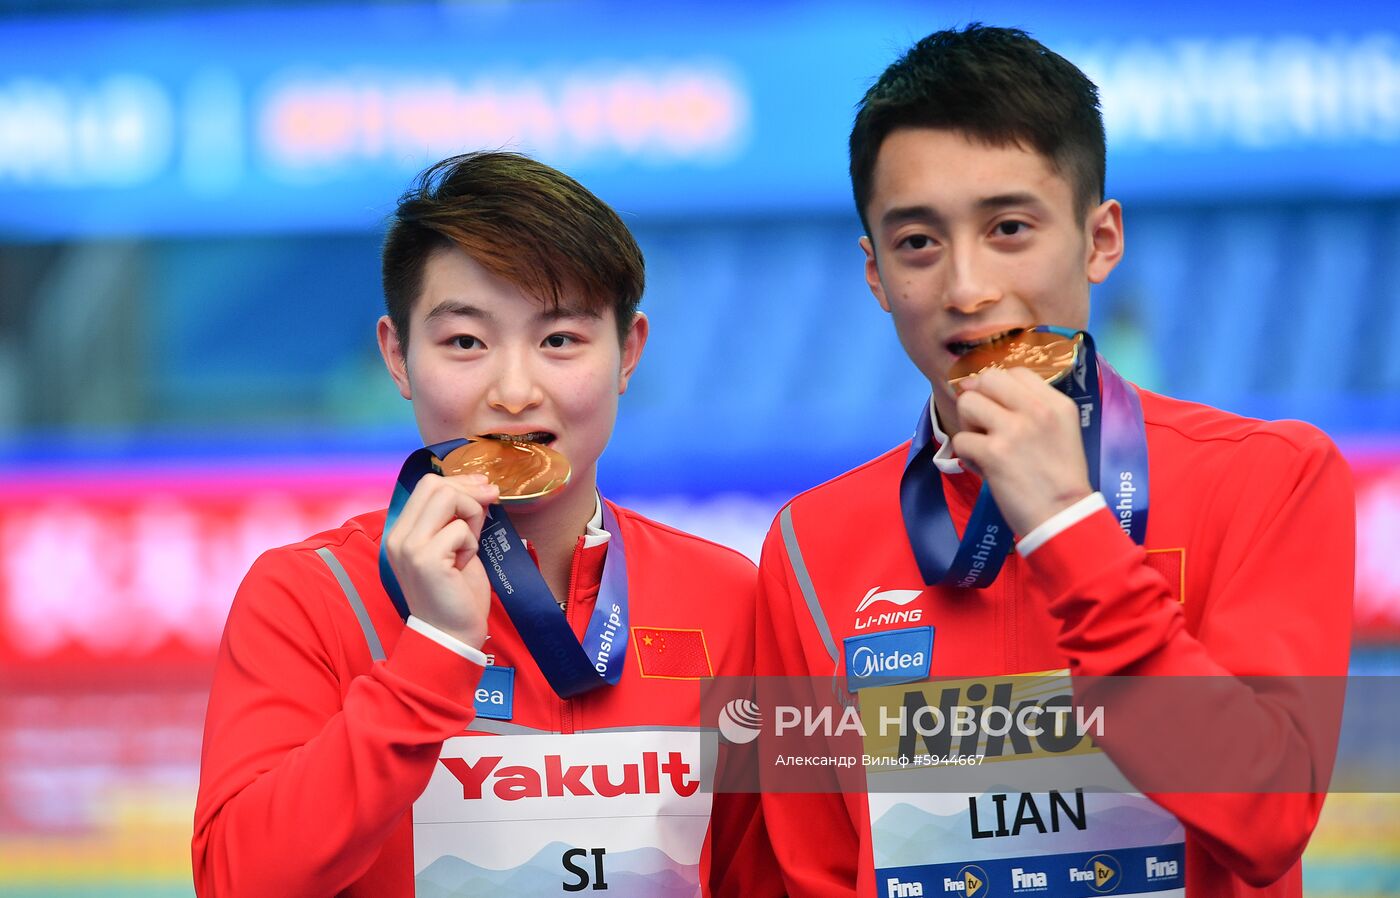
649	775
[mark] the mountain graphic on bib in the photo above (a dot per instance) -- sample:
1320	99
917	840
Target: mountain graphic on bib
904	832
640	871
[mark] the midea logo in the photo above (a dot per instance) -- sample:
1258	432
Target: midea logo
866	662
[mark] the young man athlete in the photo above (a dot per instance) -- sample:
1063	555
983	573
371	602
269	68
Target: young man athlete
977	162
343	749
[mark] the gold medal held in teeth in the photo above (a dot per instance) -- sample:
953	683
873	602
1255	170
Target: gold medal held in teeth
1049	355
522	470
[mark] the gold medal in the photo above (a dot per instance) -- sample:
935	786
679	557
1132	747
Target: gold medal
522	470
1049	355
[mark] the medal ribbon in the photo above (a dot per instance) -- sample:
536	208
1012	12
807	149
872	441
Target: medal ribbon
571	669
1115	440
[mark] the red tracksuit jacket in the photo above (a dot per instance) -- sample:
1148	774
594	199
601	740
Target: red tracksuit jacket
1247	569
313	755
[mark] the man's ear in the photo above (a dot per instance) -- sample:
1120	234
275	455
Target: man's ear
1105	243
632	346
872	274
391	349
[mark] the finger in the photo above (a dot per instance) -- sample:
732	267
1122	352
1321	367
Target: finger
482	493
476	486
971	450
444	503
454	543
980	413
412	510
1015	389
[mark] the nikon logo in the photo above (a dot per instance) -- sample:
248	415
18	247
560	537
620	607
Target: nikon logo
990	722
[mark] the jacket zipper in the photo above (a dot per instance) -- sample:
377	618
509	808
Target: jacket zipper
1013	597
566	705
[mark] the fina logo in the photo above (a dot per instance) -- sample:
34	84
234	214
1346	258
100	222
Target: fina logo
739	721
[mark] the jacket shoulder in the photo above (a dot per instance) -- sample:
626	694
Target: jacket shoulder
353	541
850	487
1197	423
681	544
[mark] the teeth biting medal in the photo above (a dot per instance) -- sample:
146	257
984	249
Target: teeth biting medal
522	469
525	468
1048	354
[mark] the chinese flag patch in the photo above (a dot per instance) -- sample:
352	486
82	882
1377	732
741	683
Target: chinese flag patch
671	654
1171	564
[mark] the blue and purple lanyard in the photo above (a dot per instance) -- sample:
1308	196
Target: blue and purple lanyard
1115	441
571	669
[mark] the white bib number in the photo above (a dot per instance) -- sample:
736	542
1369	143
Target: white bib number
1003	832
622	812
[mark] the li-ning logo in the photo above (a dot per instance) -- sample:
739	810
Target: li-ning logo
740	721
900	597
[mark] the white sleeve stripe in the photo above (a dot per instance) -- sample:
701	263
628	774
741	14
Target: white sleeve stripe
1059	522
447	640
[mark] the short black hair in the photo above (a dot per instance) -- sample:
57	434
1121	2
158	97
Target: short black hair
997	85
522	221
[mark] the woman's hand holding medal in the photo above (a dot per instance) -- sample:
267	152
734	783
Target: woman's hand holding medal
432	549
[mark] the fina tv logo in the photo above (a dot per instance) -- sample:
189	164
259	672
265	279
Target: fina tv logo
970	882
740	721
1102	873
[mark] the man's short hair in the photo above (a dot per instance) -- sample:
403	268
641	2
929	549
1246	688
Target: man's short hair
522	221
997	85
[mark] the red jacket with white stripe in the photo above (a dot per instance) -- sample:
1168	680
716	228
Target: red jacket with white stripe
1247	570
313	754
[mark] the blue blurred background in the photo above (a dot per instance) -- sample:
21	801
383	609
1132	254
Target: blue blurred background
192	196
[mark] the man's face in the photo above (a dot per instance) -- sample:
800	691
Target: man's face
969	240
485	358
